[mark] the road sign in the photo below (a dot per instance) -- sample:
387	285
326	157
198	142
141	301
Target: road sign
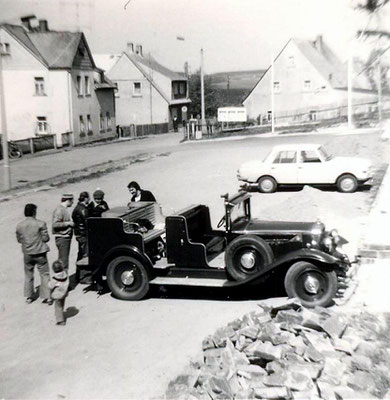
184	109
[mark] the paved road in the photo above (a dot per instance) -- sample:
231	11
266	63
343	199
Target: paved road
116	349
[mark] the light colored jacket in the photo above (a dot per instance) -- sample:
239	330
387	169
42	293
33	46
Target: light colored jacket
61	216
59	284
32	234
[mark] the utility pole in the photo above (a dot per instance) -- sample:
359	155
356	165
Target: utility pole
350	89
272	94
379	91
7	170
203	114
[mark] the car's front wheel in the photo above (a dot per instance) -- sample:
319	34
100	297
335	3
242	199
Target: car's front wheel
267	184
347	183
246	256
127	278
310	284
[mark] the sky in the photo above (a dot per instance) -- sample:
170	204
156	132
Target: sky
234	34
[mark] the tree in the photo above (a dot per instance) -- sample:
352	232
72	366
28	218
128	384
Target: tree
211	102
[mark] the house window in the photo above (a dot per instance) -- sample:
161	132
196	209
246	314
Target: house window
291	61
89	123
79	86
39	86
5	48
41	126
137	89
87	86
313	115
82	125
182	88
108	120
307	85
277	87
101	122
269	116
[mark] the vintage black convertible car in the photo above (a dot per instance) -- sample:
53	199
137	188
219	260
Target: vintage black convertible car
132	248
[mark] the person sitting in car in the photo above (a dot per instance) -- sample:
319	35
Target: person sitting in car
138	194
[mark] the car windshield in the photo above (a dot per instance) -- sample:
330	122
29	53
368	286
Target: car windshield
238	211
324	154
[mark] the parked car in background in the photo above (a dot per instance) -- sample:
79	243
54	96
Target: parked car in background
304	164
132	248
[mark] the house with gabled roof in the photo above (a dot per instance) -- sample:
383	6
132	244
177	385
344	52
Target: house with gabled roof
52	85
148	92
308	77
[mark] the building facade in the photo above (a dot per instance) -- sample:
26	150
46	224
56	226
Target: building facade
308	82
52	85
148	93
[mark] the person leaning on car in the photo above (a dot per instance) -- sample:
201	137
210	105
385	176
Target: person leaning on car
138	194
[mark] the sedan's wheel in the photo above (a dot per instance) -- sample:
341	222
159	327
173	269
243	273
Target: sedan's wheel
246	256
312	285
267	184
127	278
347	183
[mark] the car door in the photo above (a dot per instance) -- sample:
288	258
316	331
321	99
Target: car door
284	167
312	168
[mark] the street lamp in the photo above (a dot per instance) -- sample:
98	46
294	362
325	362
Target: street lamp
7	170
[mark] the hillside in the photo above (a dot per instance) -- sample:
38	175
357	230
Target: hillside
235	79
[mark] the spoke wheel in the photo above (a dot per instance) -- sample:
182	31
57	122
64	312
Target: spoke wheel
127	278
312	285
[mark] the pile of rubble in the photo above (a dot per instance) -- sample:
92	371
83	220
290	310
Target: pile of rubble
290	352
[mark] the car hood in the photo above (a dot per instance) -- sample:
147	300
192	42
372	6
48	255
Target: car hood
352	161
268	227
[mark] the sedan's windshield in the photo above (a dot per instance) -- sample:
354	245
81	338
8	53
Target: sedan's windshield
326	156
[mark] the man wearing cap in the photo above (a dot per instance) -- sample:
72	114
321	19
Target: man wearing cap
79	216
98	205
62	227
32	234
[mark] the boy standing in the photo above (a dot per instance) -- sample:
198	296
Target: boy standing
59	285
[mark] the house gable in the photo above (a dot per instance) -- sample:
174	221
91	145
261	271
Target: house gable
83	58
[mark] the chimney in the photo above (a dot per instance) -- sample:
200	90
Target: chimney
43	25
318	43
130	47
186	68
26	22
138	50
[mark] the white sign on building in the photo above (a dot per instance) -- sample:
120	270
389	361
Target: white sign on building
232	114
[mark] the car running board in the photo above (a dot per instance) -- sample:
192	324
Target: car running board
207	282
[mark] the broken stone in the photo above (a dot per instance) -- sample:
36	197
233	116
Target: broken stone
220	338
245	394
255	371
342	345
234	385
286	326
236	324
332	371
241	343
353	340
361	362
290	304
175	390
282	338
277	379
199	394
267	351
344	393
208	343
323	312
299	380
306	394
263	318
272	393
311	320
312	354
361	380
334	326
248	319
218	388
230	356
250	332
268	332
367	348
312	369
275	367
320	343
290	316
326	390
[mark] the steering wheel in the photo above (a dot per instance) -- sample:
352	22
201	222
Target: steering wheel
221	221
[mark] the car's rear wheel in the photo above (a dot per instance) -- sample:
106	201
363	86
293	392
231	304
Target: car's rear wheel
127	278
311	285
347	183
267	184
246	256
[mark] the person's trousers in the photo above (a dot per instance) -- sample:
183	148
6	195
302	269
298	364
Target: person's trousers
59	306
40	261
82	275
63	246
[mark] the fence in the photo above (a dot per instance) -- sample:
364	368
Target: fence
144	130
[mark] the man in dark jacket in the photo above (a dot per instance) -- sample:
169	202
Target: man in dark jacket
137	194
79	216
98	205
32	234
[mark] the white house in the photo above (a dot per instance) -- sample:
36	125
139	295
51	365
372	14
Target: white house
148	93
52	85
308	77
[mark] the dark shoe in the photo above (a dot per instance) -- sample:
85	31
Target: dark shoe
49	302
61	323
29	300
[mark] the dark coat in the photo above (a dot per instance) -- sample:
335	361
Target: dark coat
96	210
145	196
79	216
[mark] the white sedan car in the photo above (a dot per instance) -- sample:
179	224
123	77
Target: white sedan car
301	164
